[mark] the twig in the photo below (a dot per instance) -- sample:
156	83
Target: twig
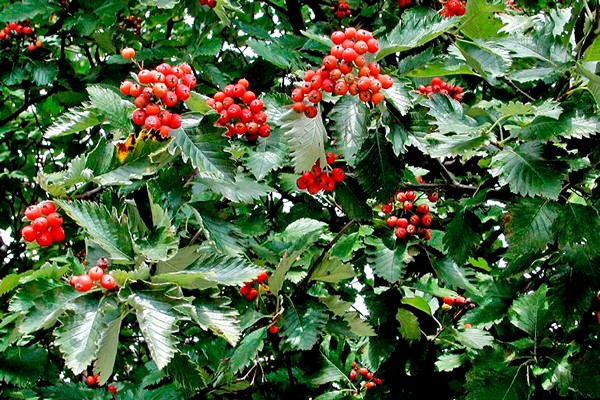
518	89
89	193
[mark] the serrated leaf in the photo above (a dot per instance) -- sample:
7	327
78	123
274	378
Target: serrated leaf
480	19
78	337
205	147
418	26
197	103
487	63
387	263
75	120
301	328
268	155
409	324
332	270
527	172
398	95
155	309
329	372
578	225
182	259
593	51
24	366
19	11
417	302
115	110
530	225
358	326
462	238
530	312
241	190
349	116
276	54
377	167
306	138
103	227
336	305
449	362
218	317
42	302
474	338
60	183
210	270
247	349
107	351
449	116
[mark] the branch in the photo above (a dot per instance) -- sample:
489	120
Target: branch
89	193
294	14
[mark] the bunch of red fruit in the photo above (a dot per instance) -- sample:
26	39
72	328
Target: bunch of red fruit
341	9
240	111
249	291
155	90
83	283
46	224
453	8
439	86
92	381
132	22
371	381
316	179
343	71
19	31
209	3
407	222
458	303
403	3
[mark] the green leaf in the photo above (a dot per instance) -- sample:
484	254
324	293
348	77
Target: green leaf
399	96
377	167
19	11
247	349
449	116
493	379
545	128
530	312
217	316
593	51
418	26
205	147
275	53
449	362
107	350
332	270
329	372
42	302
306	138
242	190
527	172
480	19
409	325
24	366
301	327
186	372
116	111
358	326
417	302
387	263
349	116
79	336
268	155
197	103
530	225
210	270
103	227
578	226
75	120
60	183
182	259
474	338
462	236
488	64
155	309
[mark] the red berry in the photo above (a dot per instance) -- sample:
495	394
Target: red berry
40	224
262	277
377	381
310	111
400	233
47	207
468	326
352	375
338	37
252	294
152	122
433	197
33	212
460	301
145	77
125	87
411	229
422	208
386	208
139	116
338	174
448	300
414	219
329	157
83	283
175	121
58	234
182	91
426	220
112	389
256	106
273	329
363	371
96	273
264	130
354	364
28	233
391	221
108	282
370	385
102	262
54	220
407	205
128	53
91	380
410	195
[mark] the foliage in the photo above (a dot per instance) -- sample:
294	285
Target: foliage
187	221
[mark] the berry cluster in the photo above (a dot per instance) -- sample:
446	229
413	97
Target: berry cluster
250	292
361	372
133	23
407	222
209	3
341	9
15	32
83	283
46	224
241	112
316	179
157	89
439	86
453	8
343	71
459	303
